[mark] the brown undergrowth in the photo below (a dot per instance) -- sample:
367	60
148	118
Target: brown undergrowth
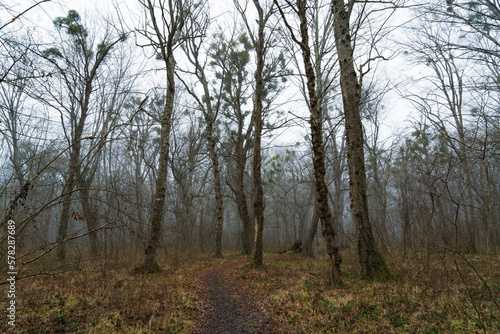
106	297
444	293
449	294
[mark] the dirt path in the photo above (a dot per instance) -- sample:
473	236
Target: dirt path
227	306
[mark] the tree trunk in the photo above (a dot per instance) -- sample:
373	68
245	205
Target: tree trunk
316	122
471	215
455	105
63	223
242	148
16	163
150	263
241	200
210	117
68	188
139	181
90	215
337	199
73	165
372	263
219	204
258	192
307	249
489	239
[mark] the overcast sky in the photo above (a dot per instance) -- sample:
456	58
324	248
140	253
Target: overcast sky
397	111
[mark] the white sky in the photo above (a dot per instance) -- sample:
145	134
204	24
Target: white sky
396	114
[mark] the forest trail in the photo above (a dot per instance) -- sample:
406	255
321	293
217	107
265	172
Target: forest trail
227	306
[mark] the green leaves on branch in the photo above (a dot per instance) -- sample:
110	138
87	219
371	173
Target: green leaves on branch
52	53
72	24
103	48
230	59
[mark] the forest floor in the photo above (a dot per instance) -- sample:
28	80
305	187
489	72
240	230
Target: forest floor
228	306
436	293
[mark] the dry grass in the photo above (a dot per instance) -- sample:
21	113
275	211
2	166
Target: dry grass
446	296
100	297
438	298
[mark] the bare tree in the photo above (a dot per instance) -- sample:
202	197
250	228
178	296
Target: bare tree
77	66
12	98
7	41
260	43
209	105
447	100
316	123
190	172
307	248
379	158
372	262
165	20
231	57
